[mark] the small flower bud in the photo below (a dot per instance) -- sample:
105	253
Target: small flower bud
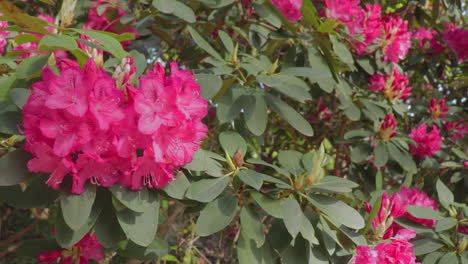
238	158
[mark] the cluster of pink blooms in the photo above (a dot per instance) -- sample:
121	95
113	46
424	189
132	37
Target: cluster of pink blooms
393	31
394	86
3	35
427	144
322	113
398	251
424	36
87	248
438	108
457	39
91	126
102	22
388	128
458	129
291	9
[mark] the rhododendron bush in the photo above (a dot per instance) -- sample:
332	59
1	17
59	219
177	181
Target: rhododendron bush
224	131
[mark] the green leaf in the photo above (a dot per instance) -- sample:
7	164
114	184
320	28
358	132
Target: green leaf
338	211
402	157
445	224
177	188
290	115
58	42
271	206
380	155
433	257
216	215
77	208
256	114
9	122
312	73
202	43
207	190
66	236
227	41
247	252
6	83
365	64
210	84
109	43
307	230
267	14
288	85
423	212
445	195
333	184
32	248
134	200
297	253
37	193
204	160
13	167
184	12
217	3
358	133
19	96
291	160
426	245
141	227
108	230
252	225
31	67
230	141
292	216
361	152
342	51
251	178
156	250
165	6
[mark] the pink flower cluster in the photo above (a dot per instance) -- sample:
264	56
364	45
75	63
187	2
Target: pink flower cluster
438	108
388	128
398	251
291	9
427	144
90	126
394	86
395	206
393	31
87	248
457	39
424	36
458	129
3	35
102	21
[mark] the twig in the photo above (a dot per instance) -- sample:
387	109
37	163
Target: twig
16	236
9	250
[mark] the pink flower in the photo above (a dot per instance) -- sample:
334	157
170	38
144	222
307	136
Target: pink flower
457	129
408	196
457	39
3	35
87	248
390	209
388	128
427	143
102	21
438	109
347	12
394	86
396	38
291	9
424	36
398	251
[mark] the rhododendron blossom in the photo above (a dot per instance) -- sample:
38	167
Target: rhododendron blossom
396	39
427	144
458	129
3	35
424	36
390	208
388	128
457	39
291	9
407	196
87	248
438	108
92	127
394	86
398	251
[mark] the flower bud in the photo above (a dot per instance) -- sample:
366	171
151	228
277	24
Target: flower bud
238	158
388	127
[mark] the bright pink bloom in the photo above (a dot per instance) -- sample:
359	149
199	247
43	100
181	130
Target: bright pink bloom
87	248
458	129
427	143
398	251
102	21
390	209
394	86
438	109
388	128
396	38
347	12
424	36
291	9
31	49
408	196
3	35
457	39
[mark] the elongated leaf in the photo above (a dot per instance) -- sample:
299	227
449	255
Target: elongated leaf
230	141
156	250
134	200
426	245
216	215
292	216
380	155
291	160
109	43
288	85
207	190
271	206
227	41
59	42
37	194
77	208
13	169
202	43
333	184
210	84
252	225
177	188
445	195
423	212
256	114
445	224
307	230
184	12
19	96
30	67
251	178
290	115
108	230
